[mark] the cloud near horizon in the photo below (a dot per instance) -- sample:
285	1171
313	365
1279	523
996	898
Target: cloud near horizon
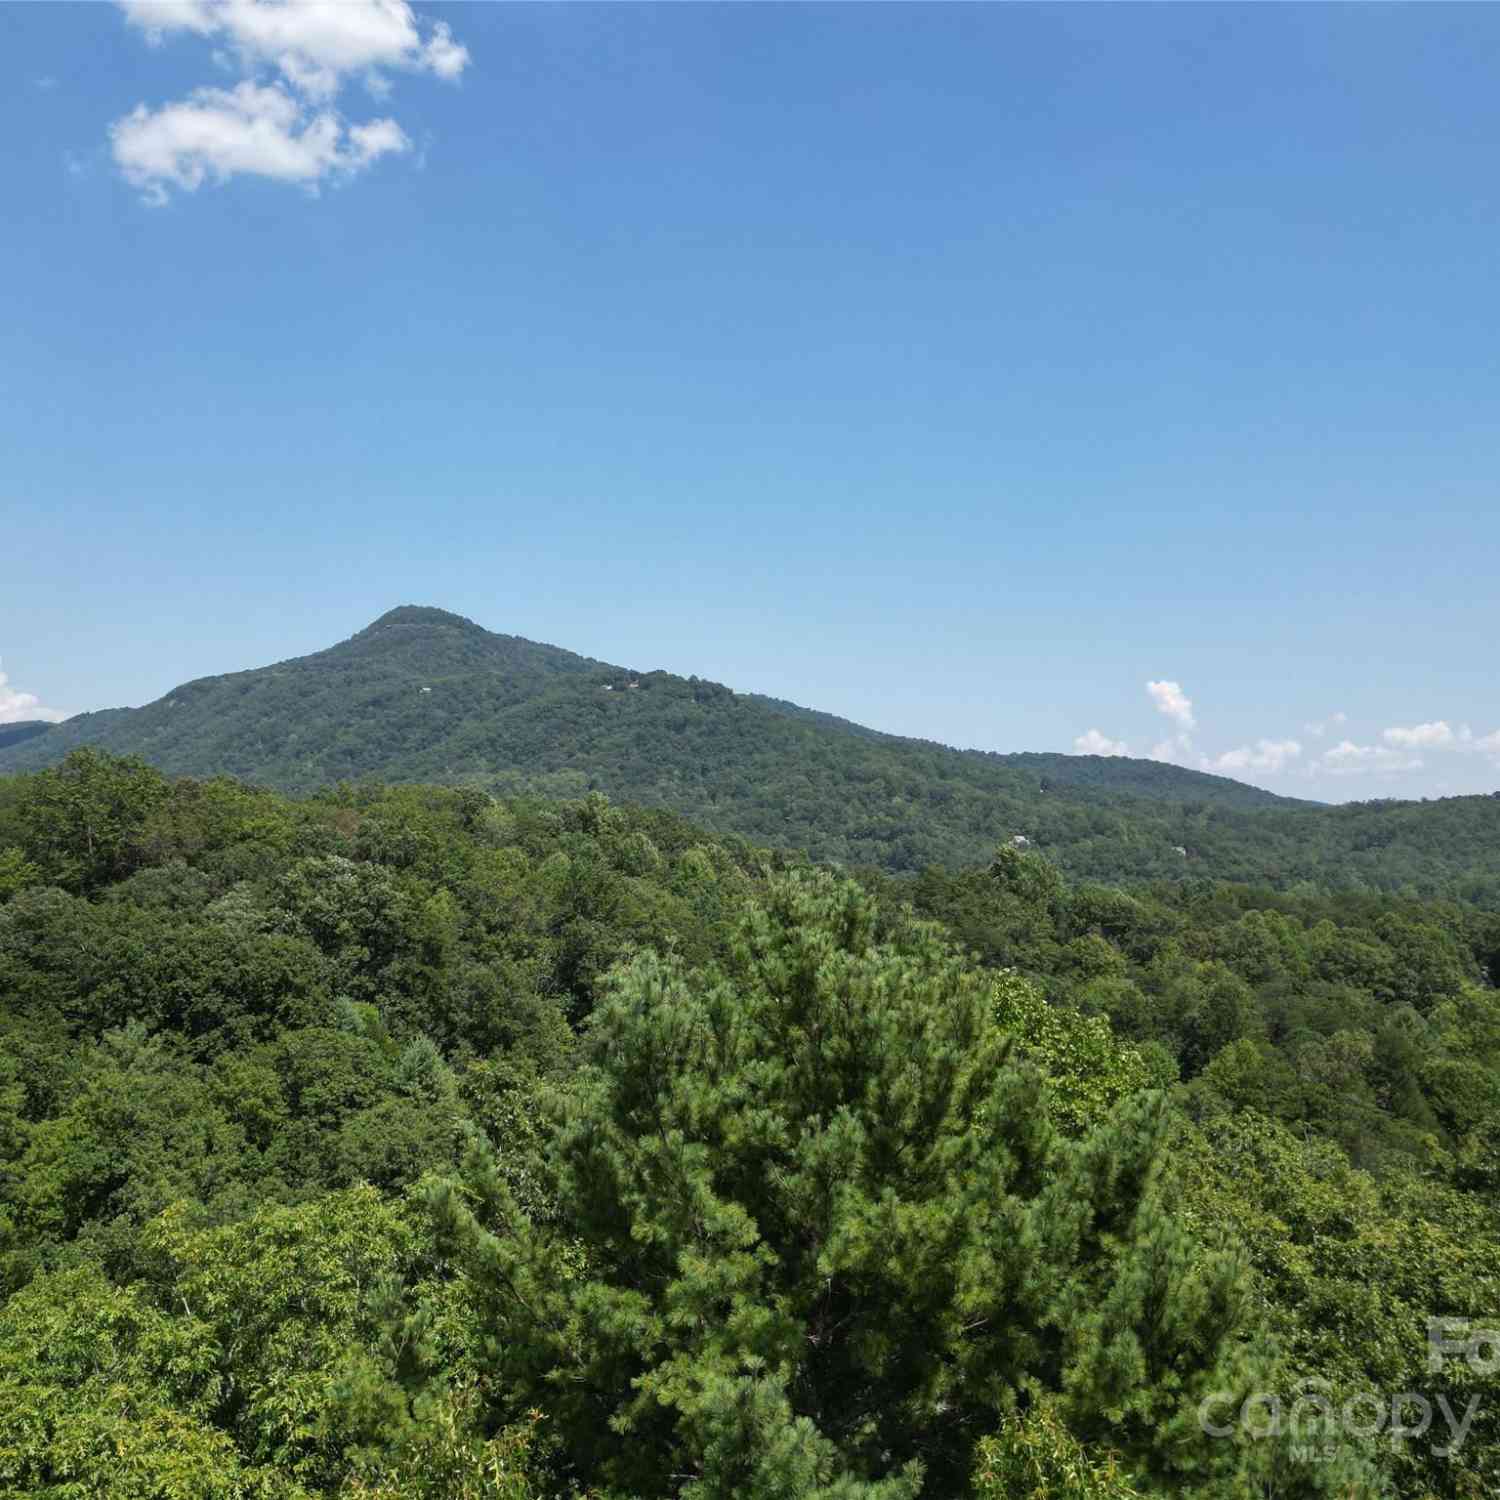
1349	759
1177	751
1434	736
1093	742
279	122
17	707
1263	755
1399	748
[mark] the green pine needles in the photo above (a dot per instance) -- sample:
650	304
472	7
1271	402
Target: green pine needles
819	1236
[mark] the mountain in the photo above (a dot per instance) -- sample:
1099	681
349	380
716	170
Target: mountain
424	695
26	729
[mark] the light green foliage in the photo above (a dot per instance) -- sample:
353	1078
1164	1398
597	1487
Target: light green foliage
253	1361
1352	1267
441	1457
103	1394
1088	1070
16	873
1036	1458
282	1296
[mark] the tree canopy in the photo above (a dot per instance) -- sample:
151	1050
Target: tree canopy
406	1141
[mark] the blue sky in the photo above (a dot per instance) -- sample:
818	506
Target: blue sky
959	370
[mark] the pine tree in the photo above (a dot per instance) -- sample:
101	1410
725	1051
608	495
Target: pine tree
817	1235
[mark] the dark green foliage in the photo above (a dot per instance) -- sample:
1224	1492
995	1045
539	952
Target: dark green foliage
81	823
812	1187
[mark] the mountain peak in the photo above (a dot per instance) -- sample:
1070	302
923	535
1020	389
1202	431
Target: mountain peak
420	614
425	638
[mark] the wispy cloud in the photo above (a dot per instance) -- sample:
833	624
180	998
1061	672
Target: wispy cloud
1470	743
1319	727
17	707
280	122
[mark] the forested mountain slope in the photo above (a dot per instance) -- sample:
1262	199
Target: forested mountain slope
26	729
423	695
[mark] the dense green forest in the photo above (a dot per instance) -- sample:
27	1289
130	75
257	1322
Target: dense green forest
425	696
410	1141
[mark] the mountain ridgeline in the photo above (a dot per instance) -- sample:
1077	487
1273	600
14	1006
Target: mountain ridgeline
422	695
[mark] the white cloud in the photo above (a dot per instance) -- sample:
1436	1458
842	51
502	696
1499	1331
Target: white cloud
442	54
378	138
215	134
1320	727
1170	699
280	121
1400	748
157	17
1434	736
1097	743
17	707
314	44
1177	751
1263	755
1348	759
